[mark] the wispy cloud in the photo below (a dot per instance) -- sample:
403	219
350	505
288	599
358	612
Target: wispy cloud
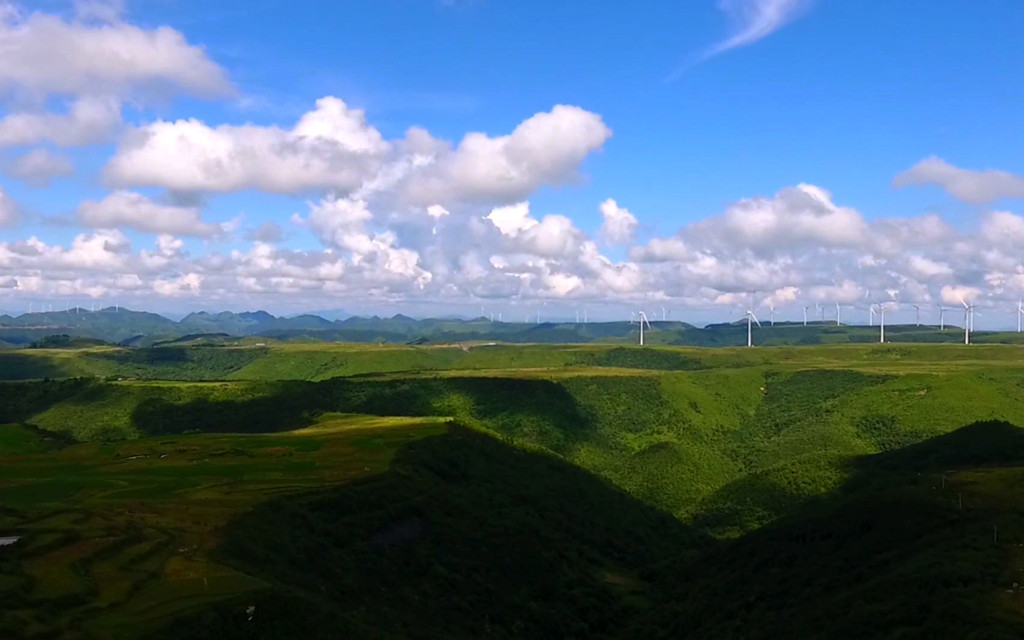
754	20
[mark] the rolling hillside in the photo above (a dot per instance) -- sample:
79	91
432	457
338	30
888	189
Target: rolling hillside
644	492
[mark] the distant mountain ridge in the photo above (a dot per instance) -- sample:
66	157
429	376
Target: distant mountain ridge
143	329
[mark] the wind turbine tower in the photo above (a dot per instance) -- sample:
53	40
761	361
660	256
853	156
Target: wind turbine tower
839	312
881	317
942	317
751	319
643	320
821	311
968	312
1020	313
805	314
917	312
772	307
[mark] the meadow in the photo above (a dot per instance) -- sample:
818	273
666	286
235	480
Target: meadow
651	492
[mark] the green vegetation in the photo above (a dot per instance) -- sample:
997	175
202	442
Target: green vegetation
494	490
119	537
464	538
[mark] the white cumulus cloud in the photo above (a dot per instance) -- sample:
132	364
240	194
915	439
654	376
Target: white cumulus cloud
619	224
136	211
331	147
44	54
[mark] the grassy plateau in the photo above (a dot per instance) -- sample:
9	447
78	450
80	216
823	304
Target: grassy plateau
487	490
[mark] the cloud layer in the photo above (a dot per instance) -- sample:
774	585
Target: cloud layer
91	65
794	248
976	187
416	218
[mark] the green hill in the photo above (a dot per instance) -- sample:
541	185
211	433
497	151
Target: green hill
658	492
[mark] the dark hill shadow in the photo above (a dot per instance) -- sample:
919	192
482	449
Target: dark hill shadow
177	362
892	554
634	358
977	445
543	409
22	366
21	400
464	537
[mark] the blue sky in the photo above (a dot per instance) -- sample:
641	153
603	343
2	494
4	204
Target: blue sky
696	142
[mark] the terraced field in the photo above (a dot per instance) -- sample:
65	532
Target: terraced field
118	537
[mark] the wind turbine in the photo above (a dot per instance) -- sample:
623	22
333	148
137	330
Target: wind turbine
881	315
643	320
1020	312
805	314
664	315
917	311
772	307
942	317
871	315
968	320
821	311
839	312
751	318
632	317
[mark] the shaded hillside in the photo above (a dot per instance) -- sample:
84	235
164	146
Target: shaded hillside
920	542
816	491
466	538
463	538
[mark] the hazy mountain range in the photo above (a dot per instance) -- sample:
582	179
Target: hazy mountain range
142	329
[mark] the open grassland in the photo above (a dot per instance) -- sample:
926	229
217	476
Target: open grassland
694	432
133	492
320	361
